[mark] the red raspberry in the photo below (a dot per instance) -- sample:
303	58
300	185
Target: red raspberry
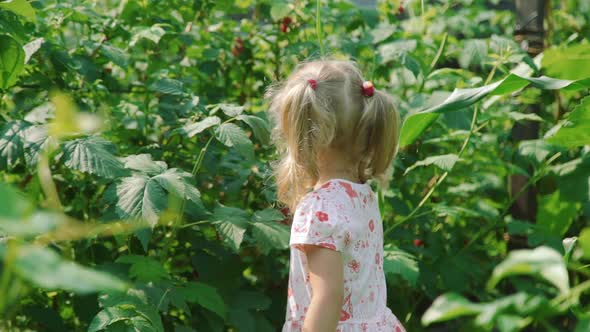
418	243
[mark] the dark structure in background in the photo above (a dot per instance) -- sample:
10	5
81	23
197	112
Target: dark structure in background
529	34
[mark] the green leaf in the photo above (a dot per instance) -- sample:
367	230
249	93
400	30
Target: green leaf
153	33
205	296
259	126
575	129
195	128
538	149
144	268
399	262
230	110
12	61
416	122
20	7
268	232
542	262
474	52
231	223
15	204
46	269
449	306
444	162
177	182
412	64
279	10
115	54
37	140
584	241
395	50
110	316
138	197
32	47
93	154
233	136
12	140
555	215
167	86
518	116
567	62
143	163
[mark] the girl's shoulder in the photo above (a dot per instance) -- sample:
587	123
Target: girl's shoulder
336	192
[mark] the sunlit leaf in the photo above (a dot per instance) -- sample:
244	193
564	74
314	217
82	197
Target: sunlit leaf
44	268
12	60
542	262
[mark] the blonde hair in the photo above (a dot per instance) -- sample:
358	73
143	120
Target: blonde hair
329	111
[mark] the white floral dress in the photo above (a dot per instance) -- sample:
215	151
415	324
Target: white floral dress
344	216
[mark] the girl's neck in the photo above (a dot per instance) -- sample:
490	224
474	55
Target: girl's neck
336	166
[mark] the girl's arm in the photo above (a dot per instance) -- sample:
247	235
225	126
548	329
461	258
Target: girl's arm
327	281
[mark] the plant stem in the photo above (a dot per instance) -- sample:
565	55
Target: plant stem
441	179
46	181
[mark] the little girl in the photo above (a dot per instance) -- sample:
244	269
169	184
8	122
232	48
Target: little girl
334	131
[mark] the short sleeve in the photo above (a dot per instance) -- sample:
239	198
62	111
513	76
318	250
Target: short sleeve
318	221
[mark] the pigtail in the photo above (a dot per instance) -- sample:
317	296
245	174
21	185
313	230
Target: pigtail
303	123
380	125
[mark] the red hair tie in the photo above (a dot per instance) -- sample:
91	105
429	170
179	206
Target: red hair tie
368	88
313	83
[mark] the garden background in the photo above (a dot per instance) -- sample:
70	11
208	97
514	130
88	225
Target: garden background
135	188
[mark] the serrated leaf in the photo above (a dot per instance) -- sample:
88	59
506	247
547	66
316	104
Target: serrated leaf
474	51
415	123
271	235
233	136
543	262
138	197
92	155
444	162
395	50
231	223
144	163
37	140
575	129
167	86
399	262
195	128
538	149
230	110
144	268
44	268
115	54
110	316
206	296
177	181
12	140
153	33
259	126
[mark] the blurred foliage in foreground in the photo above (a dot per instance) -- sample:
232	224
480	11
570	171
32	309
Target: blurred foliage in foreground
134	156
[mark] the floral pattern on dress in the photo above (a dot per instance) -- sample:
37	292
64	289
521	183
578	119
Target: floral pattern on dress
343	216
